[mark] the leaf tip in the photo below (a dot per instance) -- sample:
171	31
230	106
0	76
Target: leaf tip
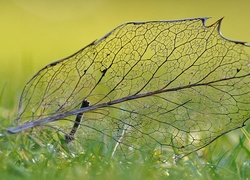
218	23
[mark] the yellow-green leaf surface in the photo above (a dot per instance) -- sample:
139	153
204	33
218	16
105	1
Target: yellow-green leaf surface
151	85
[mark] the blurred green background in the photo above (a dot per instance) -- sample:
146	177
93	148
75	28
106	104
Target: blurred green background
34	33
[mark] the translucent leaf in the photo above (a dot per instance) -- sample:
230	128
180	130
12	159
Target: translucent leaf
151	85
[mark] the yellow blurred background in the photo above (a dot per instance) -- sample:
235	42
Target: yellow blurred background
34	33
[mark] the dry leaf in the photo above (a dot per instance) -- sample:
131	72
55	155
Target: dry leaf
151	85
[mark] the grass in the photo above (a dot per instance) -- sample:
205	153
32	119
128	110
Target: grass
23	158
